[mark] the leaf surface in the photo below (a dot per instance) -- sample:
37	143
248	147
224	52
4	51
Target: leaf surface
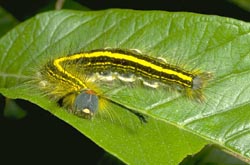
177	126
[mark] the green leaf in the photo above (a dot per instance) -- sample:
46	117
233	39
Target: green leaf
7	21
177	126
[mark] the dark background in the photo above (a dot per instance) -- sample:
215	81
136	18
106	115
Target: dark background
22	9
42	138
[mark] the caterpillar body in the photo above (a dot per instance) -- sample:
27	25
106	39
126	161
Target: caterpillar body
79	72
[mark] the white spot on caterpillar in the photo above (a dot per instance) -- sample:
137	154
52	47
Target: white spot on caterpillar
152	84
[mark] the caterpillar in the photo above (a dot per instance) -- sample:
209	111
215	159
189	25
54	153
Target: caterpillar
71	79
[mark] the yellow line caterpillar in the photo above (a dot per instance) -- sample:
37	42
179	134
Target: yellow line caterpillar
77	92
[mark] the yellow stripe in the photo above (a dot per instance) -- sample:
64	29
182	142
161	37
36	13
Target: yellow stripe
56	63
64	79
128	58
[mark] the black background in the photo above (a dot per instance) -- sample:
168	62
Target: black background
21	9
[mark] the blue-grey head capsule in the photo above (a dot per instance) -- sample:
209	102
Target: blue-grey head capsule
86	104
